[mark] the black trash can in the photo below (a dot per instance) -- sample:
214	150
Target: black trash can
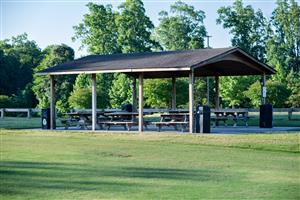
203	119
46	118
266	116
127	107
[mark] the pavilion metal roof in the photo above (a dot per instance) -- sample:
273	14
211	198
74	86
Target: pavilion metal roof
204	62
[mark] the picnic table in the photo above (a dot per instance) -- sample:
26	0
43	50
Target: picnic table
81	119
174	119
125	119
226	114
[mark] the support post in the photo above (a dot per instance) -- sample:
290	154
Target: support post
52	103
263	89
191	101
94	102
217	100
29	113
134	95
207	83
141	101
2	113
173	93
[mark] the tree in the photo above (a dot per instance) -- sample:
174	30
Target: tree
81	96
250	32
5	101
232	90
182	29
54	55
158	93
134	28
283	48
8	71
24	98
277	93
120	92
134	35
98	30
294	86
249	28
18	57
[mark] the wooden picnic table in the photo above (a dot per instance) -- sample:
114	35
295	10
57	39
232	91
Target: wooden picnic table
125	119
80	119
174	119
226	114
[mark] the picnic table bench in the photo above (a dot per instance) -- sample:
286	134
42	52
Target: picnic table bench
227	114
173	119
81	119
125	119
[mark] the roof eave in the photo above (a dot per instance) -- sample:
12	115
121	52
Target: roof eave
131	70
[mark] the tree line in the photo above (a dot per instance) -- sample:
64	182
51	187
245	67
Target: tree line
104	30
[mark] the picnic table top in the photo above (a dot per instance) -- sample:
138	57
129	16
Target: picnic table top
174	114
122	114
84	113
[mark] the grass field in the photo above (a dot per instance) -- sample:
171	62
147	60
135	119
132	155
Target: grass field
74	165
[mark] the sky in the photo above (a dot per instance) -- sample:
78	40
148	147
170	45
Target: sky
51	21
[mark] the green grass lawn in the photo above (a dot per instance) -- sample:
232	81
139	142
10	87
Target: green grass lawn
22	122
74	165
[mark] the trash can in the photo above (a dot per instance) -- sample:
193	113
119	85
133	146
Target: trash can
266	116
46	118
127	107
203	119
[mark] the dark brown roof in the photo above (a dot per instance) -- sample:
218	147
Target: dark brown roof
166	63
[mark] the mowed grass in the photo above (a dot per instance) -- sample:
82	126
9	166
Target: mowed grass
74	165
23	122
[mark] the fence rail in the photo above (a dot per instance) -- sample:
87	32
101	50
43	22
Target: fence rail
29	111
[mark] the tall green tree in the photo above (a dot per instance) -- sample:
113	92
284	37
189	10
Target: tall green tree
294	86
18	57
277	93
248	27
134	28
134	35
54	55
121	91
81	96
183	28
250	32
283	48
98	32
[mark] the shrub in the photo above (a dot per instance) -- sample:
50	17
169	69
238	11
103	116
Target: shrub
5	101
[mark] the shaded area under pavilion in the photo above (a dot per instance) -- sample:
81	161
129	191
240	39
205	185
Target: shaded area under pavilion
167	64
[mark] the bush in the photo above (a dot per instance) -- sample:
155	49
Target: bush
24	98
5	101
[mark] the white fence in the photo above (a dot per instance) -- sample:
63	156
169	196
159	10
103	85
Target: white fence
29	111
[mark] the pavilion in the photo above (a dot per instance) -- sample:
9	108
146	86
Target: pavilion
166	64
